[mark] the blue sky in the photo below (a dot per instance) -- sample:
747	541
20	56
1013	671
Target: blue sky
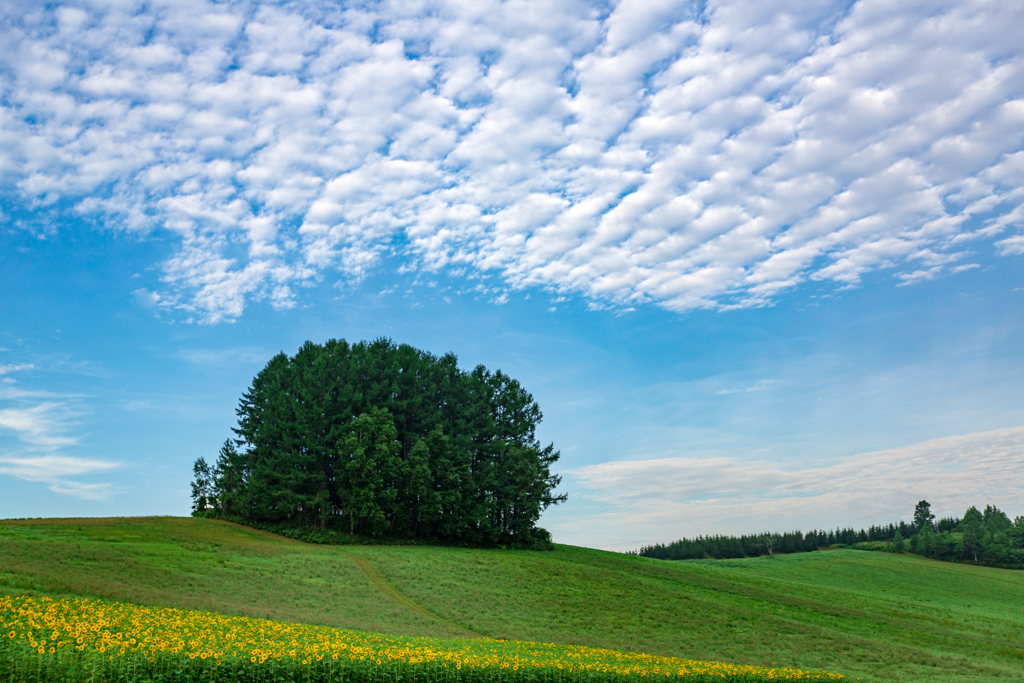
761	269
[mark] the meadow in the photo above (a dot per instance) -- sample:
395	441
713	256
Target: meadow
68	640
877	616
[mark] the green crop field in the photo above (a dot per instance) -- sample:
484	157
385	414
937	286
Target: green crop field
876	616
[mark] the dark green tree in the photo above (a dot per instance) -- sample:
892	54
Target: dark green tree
450	470
419	501
202	486
995	520
1016	533
229	478
971	541
923	516
926	541
979	538
370	451
385	439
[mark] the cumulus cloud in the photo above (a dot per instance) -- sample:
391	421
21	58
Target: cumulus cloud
671	497
687	154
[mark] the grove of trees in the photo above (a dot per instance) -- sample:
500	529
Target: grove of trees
379	439
988	538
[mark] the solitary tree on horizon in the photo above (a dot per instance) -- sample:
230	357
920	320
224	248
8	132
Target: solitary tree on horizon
923	516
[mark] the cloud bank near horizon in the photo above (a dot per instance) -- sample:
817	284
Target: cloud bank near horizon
669	498
667	152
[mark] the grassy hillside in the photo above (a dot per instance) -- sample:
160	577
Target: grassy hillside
873	615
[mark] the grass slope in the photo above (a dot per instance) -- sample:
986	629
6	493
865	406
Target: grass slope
873	615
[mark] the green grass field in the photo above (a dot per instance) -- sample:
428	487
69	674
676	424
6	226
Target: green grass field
876	616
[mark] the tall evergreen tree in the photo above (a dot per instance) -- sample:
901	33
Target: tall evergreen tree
370	452
923	516
970	542
1016	532
202	486
229	477
995	520
385	439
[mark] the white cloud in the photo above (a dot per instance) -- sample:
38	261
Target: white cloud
42	426
666	152
1012	245
759	386
34	436
55	470
14	367
669	498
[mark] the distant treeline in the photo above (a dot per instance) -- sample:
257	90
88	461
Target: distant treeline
383	440
987	538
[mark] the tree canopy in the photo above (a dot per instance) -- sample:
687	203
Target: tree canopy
923	516
384	440
987	538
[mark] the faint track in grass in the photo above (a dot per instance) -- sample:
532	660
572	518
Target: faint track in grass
381	583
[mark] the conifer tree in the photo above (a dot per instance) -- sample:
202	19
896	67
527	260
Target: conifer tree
385	439
202	486
970	542
923	516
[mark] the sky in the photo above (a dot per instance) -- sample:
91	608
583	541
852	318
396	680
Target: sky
760	264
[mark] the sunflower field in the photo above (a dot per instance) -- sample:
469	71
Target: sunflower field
93	641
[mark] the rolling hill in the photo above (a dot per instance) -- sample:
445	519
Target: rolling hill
870	615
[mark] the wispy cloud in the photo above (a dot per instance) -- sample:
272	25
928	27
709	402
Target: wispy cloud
10	393
58	473
224	357
682	153
34	436
42	426
759	386
1012	245
43	432
667	498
